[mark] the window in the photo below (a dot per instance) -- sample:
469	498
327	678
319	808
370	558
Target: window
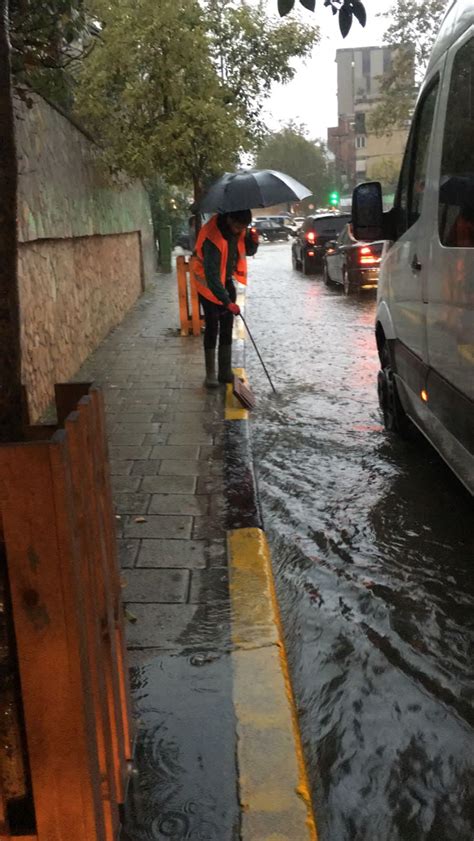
456	189
411	187
360	142
359	123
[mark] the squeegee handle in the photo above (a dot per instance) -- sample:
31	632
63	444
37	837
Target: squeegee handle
258	353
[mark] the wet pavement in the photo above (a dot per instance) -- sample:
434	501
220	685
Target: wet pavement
218	755
372	543
166	436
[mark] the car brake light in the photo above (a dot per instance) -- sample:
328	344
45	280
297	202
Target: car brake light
311	237
310	253
366	257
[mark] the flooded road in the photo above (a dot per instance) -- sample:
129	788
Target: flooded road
372	543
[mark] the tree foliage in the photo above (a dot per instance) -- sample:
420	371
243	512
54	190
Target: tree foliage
412	28
252	51
290	151
47	38
177	89
346	9
386	171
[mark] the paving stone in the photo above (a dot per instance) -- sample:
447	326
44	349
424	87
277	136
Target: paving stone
128	551
216	553
145	468
197	506
213	452
169	484
133	503
128	437
154	438
161	626
196	421
188	554
190	437
209	586
176	453
127	484
157	585
120	468
135	453
158	526
127	416
206	528
137	426
184	468
210	485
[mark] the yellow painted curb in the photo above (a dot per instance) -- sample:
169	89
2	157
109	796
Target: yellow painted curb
274	791
233	408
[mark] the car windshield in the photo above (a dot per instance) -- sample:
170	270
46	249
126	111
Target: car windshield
330	225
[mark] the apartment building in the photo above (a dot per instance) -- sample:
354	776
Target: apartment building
358	152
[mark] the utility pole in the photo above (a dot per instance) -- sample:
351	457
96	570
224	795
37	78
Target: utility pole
11	427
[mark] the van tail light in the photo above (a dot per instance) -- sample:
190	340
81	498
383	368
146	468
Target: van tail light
311	237
367	257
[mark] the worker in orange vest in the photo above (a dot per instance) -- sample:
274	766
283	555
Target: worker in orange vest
220	254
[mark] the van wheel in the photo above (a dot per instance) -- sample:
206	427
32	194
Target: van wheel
394	416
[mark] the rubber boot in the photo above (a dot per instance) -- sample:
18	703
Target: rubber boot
210	357
225	373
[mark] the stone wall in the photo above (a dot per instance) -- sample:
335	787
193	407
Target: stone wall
86	248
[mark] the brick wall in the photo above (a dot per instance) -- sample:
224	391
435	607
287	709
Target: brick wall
86	248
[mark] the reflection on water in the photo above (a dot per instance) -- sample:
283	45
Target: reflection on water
372	544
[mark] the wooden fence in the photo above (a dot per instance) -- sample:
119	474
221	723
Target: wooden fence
189	314
59	536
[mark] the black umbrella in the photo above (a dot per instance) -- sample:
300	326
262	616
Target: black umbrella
251	188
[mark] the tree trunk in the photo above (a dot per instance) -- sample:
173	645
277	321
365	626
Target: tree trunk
197	189
10	352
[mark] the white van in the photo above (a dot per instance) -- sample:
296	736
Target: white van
425	301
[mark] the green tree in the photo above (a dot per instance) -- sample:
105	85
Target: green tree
177	89
252	51
386	171
48	38
290	151
150	93
412	28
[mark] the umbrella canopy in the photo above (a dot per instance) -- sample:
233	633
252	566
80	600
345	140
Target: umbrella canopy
251	188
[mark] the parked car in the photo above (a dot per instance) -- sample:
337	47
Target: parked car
307	250
270	230
351	263
425	302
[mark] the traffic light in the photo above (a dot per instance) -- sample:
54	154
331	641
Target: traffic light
334	198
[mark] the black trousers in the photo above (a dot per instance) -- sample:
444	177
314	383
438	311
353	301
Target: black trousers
218	320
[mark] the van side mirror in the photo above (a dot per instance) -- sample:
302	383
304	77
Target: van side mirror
367	212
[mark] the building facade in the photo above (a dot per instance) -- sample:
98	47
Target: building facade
359	153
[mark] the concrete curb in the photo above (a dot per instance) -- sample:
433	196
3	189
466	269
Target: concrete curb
273	786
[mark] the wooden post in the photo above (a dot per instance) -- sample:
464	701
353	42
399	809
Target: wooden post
189	311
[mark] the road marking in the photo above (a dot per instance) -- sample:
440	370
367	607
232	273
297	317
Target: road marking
273	784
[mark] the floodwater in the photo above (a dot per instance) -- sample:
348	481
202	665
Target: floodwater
372	542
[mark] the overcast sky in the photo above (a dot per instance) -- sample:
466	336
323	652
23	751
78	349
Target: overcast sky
311	97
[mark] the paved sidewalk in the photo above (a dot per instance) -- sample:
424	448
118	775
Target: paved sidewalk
217	752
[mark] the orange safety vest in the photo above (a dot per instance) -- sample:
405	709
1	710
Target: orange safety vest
211	232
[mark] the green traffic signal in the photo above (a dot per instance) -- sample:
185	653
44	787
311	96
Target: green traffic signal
334	198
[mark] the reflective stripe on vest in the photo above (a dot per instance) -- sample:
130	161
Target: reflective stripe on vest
211	232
